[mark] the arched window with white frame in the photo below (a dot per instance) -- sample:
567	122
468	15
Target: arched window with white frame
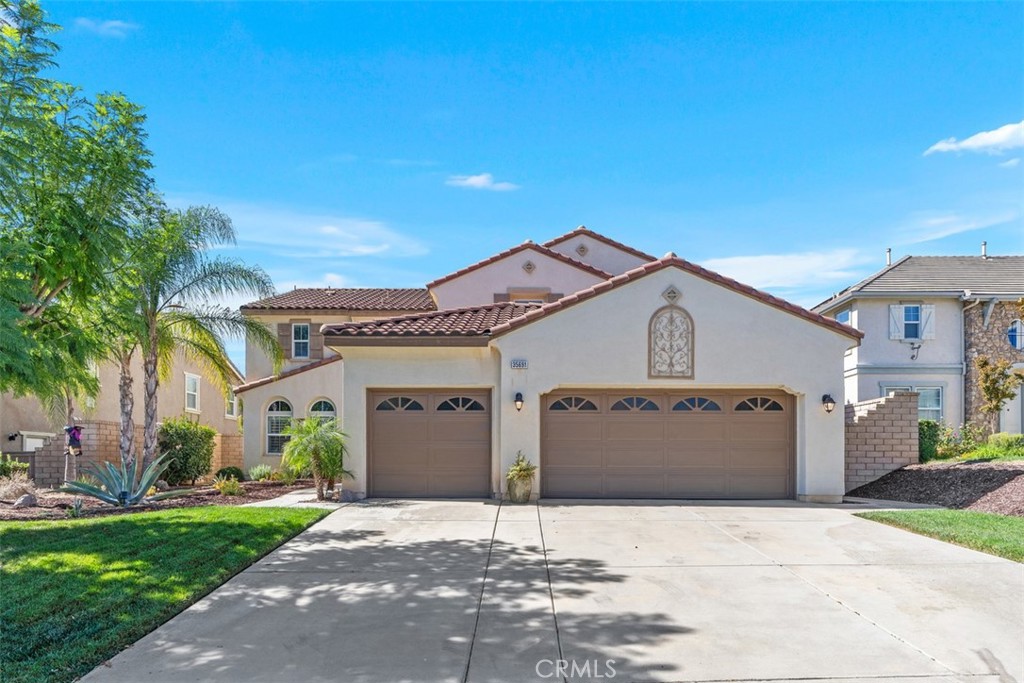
323	410
279	416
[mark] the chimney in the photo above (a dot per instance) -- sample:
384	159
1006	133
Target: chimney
888	256
984	250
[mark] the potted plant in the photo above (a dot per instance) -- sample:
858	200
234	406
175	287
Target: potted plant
520	479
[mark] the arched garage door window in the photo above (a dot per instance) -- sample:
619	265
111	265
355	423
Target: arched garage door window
279	416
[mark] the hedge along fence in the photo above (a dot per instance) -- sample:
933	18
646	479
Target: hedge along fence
190	444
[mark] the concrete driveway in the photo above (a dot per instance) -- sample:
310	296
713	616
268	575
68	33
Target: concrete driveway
392	591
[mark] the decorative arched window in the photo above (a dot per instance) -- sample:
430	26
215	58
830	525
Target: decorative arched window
322	410
279	416
460	404
1015	335
632	403
759	404
697	404
399	403
573	404
670	343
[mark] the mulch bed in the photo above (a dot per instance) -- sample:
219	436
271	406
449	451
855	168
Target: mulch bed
996	487
55	505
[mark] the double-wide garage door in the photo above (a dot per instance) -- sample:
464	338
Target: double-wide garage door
650	444
430	443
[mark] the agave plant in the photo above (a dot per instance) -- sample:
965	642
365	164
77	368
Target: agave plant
122	487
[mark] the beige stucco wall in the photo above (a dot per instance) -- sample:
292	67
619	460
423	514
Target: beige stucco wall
739	342
300	390
479	286
600	255
25	414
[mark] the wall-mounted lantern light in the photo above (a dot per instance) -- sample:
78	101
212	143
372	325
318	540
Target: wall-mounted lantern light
519	400
828	403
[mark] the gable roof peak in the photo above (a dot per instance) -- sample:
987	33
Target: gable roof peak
538	248
584	230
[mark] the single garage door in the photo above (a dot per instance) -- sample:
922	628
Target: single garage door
650	444
430	443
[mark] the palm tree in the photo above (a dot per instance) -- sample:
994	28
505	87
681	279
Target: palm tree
318	446
170	288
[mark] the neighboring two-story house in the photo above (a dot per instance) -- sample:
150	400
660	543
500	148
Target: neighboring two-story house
618	373
925	320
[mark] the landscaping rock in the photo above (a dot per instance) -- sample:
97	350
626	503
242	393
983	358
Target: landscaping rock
161	485
26	501
348	496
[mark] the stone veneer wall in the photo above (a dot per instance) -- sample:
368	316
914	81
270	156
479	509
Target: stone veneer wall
990	341
881	436
101	443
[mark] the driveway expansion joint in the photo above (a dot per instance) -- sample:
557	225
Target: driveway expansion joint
480	598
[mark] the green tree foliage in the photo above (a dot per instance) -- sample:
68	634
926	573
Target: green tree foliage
317	446
189	448
73	175
928	434
998	382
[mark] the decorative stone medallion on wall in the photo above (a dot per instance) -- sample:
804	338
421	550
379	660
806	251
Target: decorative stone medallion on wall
529	267
670	340
582	249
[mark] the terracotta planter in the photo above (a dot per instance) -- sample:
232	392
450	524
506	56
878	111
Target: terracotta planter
519	490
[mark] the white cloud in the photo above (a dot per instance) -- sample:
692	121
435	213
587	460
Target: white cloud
109	28
1010	136
926	226
482	181
809	269
295	234
1010	163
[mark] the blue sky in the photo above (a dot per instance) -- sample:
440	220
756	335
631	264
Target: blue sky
786	145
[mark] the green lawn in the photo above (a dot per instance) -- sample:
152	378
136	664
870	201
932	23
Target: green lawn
1000	535
73	593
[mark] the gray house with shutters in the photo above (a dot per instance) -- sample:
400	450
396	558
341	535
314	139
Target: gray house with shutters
925	320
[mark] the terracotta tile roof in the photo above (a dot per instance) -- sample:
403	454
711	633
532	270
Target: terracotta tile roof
515	250
660	264
287	373
583	230
471	321
355	299
991	275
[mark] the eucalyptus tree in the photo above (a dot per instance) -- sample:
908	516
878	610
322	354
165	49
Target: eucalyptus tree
174	298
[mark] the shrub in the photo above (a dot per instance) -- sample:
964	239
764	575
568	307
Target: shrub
260	472
230	472
319	446
9	466
989	452
955	441
124	486
190	444
228	486
928	432
285	476
1006	441
16	485
521	470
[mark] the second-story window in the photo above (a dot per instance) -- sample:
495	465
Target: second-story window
300	340
912	322
191	393
844	316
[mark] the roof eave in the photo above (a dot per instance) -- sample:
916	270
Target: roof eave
435	341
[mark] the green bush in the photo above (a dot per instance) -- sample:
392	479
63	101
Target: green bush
956	441
989	452
228	486
1006	441
9	466
232	472
260	472
928	432
190	444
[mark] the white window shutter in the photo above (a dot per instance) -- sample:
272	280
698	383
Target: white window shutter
895	321
928	321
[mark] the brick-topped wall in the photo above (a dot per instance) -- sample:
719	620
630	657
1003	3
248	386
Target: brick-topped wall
881	436
101	443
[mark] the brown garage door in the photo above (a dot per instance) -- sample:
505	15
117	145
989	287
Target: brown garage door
430	443
650	444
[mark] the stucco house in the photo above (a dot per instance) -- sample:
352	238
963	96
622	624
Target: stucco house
620	374
25	425
925	319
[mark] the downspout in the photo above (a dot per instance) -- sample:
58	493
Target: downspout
963	355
